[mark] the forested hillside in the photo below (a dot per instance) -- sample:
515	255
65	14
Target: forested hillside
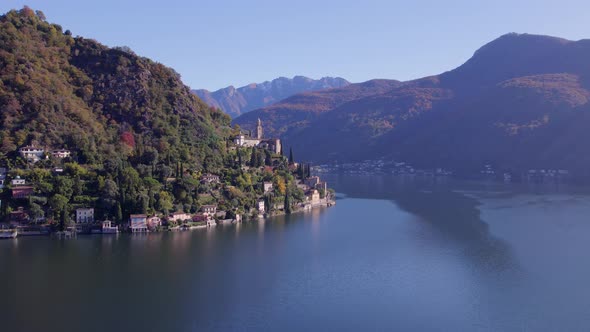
137	139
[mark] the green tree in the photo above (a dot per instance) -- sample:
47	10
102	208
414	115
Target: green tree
291	160
36	211
64	186
165	203
59	207
253	158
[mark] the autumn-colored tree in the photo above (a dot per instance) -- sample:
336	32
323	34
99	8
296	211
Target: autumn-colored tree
280	184
128	139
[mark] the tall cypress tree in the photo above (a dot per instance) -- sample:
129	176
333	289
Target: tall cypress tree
253	158
291	160
287	202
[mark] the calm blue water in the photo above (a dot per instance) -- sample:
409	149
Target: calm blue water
392	255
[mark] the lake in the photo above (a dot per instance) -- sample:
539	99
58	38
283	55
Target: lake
393	254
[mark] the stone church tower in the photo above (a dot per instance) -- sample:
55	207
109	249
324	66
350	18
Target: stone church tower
259	132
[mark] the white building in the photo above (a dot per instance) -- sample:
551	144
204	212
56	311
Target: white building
179	216
32	153
261	209
313	197
209	210
243	140
210	178
272	144
60	154
268	187
85	215
17	181
109	228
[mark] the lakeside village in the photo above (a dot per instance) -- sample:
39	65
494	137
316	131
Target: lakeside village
486	172
47	192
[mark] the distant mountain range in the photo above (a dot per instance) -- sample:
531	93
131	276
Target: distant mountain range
256	95
521	102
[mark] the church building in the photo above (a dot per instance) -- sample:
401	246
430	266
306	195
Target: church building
272	144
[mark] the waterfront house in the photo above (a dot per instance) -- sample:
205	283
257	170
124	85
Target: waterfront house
313	197
61	153
261	209
138	223
267	187
18	217
211	222
210	178
32	153
17	181
209	210
109	228
179	217
154	222
84	215
22	192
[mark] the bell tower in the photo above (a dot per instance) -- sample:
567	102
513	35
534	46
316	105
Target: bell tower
259	132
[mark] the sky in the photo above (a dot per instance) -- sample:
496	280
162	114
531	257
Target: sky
214	44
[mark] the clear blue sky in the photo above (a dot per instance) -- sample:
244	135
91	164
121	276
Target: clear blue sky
213	44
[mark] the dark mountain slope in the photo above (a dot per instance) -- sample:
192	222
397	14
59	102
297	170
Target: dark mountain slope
295	113
520	102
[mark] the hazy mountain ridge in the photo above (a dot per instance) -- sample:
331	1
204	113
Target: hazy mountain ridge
256	95
520	102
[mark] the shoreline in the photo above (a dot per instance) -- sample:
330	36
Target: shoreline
73	233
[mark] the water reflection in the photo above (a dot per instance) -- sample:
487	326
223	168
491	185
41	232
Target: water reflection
436	202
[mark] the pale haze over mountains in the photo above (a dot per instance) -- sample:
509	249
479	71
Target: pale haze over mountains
256	95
